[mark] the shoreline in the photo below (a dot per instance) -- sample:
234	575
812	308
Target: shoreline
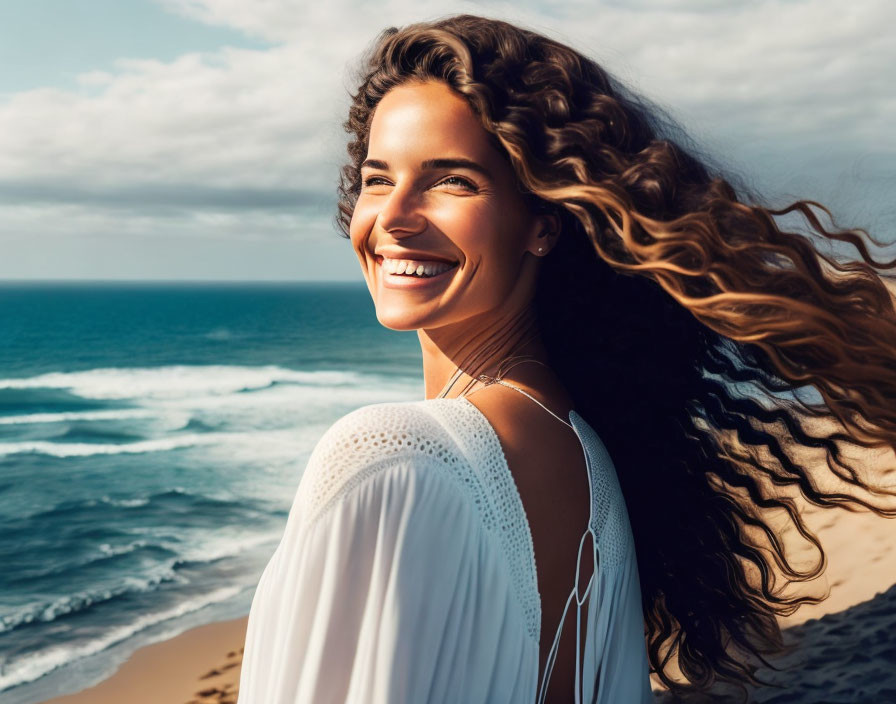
194	666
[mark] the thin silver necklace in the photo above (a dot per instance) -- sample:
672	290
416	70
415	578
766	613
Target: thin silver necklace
497	379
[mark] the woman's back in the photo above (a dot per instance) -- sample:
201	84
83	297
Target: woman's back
548	466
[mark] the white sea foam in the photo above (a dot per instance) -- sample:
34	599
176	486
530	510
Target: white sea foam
297	399
110	550
126	503
201	547
220	334
86	449
68	603
220	544
113	414
172	396
252	445
268	449
31	667
178	381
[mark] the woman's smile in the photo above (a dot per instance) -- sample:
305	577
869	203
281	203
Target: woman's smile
413	273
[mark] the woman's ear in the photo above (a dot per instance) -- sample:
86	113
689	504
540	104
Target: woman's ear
546	234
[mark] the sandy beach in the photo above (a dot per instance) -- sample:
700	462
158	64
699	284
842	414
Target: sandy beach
196	666
846	644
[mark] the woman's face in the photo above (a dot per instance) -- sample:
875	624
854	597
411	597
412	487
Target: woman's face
436	192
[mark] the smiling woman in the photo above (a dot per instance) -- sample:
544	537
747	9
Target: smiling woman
513	204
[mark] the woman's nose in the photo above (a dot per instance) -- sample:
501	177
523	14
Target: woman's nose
401	211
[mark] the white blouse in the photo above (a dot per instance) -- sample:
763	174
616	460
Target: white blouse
406	573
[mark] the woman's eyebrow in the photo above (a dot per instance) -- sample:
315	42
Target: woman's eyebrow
445	163
455	163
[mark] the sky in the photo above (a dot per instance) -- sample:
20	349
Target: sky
202	139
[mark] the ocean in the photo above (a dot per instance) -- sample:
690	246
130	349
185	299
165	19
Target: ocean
152	437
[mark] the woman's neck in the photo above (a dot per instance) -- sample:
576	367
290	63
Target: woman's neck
476	346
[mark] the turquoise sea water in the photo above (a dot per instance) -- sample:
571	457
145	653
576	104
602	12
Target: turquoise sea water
152	437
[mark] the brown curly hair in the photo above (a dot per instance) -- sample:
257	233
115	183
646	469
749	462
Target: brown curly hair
724	326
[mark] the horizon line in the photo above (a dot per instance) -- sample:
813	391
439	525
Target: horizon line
183	281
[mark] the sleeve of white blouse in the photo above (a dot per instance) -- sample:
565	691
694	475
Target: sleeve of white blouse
620	649
616	648
366	583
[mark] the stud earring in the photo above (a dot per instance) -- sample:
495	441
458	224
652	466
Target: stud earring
541	249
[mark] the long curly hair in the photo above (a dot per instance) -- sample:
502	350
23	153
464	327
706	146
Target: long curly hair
706	344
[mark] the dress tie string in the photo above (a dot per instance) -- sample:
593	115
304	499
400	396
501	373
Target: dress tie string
580	600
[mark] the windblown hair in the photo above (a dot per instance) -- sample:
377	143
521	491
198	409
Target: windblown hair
689	327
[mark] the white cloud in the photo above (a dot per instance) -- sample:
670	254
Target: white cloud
779	66
235	117
254	136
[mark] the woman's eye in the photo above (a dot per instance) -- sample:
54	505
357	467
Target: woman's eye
459	180
450	180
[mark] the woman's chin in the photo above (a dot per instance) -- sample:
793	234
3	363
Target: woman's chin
398	318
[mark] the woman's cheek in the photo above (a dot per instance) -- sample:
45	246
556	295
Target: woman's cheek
362	221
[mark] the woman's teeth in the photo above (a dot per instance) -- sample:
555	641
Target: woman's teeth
410	267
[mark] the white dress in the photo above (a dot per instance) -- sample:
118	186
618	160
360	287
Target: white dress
406	573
